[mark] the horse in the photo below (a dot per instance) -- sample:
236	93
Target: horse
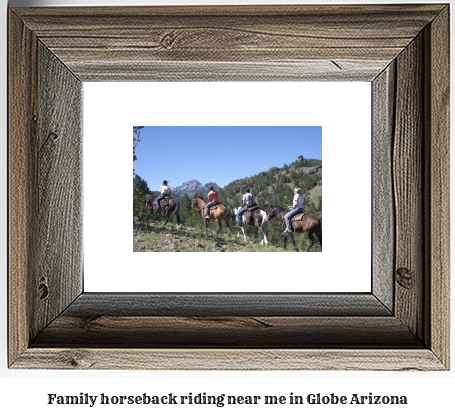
171	210
309	225
257	218
219	213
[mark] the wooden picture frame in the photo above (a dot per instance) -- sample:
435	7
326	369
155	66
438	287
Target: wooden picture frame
403	324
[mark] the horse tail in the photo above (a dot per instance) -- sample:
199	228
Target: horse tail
176	210
264	221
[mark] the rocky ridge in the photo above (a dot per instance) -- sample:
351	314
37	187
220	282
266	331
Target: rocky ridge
193	186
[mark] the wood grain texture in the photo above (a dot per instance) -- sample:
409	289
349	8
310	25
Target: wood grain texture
271	34
234	359
308	71
438	196
22	94
44	187
89	305
408	188
225	332
402	49
383	215
58	211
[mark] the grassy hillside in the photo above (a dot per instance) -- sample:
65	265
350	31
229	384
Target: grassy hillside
151	237
275	186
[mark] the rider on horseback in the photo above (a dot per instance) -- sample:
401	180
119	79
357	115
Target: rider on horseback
296	209
213	198
165	190
248	200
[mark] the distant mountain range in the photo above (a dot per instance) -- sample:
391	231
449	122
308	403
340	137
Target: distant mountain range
193	186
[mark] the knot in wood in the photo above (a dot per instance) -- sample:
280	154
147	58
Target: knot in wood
43	290
168	39
53	136
404	278
77	359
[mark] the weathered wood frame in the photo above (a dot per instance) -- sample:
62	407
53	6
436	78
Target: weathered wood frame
403	324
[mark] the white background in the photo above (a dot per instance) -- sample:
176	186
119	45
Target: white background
25	391
341	108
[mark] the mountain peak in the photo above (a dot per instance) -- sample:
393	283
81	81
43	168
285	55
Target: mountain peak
193	186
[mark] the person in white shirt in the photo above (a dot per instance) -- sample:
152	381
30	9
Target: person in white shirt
296	209
165	190
248	200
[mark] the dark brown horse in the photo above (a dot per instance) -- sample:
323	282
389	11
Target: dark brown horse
257	217
219	213
308	224
170	208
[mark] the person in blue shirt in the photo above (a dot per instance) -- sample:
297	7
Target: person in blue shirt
295	209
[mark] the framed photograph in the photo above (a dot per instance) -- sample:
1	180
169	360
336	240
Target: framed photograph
401	322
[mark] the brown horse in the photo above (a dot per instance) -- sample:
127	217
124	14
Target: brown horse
218	213
171	209
309	224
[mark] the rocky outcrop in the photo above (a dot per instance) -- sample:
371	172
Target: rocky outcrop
317	169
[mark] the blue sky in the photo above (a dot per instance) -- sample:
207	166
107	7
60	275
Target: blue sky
220	154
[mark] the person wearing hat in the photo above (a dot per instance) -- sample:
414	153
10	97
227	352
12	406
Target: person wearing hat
213	198
165	190
296	209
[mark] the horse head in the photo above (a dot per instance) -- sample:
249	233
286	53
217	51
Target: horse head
272	213
194	204
149	203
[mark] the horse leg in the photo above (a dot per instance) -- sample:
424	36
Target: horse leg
292	239
227	225
311	238
264	236
285	240
244	236
264	230
319	234
218	220
165	223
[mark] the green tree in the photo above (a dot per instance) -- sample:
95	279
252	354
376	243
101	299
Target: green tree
186	203
136	139
140	184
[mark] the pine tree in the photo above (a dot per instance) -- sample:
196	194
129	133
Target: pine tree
140	184
186	203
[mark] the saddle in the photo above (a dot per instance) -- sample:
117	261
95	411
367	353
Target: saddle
215	205
298	217
249	214
164	203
